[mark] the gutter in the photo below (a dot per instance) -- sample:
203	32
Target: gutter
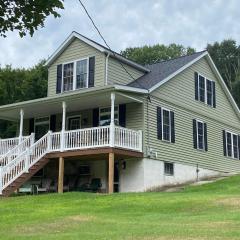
106	69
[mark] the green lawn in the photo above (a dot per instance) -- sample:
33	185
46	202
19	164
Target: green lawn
210	211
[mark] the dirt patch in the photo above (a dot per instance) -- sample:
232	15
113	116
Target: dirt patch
56	226
232	202
170	238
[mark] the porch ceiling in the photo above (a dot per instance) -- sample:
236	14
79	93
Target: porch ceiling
74	102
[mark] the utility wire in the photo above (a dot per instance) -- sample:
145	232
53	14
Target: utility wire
95	26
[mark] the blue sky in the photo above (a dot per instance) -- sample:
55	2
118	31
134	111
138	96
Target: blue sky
127	23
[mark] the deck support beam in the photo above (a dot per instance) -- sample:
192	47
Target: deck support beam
60	175
110	172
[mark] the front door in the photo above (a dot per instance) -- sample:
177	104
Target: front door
74	123
41	125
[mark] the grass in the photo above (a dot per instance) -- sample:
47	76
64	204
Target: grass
209	211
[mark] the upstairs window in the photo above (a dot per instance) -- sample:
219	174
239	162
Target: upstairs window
165	125
231	144
75	75
205	90
82	74
68	77
200	135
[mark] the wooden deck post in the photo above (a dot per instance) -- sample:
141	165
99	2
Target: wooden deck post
110	172
60	175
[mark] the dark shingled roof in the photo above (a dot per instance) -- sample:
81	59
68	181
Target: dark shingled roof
160	71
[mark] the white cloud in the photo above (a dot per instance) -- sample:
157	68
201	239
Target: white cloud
129	23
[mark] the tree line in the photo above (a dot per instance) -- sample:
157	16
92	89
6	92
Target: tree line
21	84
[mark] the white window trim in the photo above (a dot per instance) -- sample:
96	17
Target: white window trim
170	127
232	133
74	116
99	112
205	89
201	149
75	73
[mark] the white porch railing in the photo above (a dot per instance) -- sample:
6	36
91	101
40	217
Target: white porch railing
9	143
63	141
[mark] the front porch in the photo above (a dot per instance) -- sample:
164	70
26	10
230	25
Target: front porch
110	141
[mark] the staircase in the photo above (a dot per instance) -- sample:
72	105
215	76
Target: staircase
24	165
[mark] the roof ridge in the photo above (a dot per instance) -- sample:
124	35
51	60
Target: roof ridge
175	58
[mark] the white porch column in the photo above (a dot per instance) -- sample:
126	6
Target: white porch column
63	125
112	124
21	125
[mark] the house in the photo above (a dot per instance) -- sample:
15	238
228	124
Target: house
127	126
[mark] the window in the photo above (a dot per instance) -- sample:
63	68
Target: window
105	116
82	74
168	168
42	125
68	77
74	123
205	90
231	144
165	125
200	135
75	75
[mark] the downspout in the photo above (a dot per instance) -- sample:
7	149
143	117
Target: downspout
106	69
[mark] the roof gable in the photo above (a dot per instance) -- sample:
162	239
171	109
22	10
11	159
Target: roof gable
95	45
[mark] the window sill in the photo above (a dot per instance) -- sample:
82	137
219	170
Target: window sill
205	104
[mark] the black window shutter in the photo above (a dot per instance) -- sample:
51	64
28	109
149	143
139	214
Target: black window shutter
95	119
59	79
224	143
239	147
214	94
172	127
122	115
159	123
91	72
205	137
195	133
196	85
53	123
31	125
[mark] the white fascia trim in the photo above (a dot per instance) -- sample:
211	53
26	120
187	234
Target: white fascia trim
177	72
130	89
229	95
67	42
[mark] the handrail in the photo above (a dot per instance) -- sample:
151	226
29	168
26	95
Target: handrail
12	154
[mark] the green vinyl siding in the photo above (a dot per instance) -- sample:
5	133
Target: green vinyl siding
77	50
178	95
134	116
117	74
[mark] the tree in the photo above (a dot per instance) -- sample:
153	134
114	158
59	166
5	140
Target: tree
159	52
26	16
226	56
18	85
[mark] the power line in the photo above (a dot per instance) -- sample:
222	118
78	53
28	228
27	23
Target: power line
85	9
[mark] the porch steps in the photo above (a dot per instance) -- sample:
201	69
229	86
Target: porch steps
24	177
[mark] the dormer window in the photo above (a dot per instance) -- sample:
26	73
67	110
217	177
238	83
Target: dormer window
75	75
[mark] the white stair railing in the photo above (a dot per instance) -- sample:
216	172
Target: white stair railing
8	143
23	162
18	149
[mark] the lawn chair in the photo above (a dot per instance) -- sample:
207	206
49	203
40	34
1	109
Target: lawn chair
46	183
94	186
